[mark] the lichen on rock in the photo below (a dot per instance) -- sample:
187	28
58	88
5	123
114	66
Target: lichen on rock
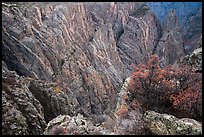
164	124
76	125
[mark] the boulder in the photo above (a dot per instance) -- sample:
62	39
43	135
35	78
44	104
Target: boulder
194	60
164	124
76	125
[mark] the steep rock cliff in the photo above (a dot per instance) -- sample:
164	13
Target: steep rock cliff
192	32
80	46
49	42
140	36
170	47
189	19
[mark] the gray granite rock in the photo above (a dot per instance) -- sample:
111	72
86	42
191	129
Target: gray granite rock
76	125
194	60
164	124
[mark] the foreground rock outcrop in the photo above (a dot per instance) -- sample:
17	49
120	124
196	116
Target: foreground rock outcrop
163	124
77	125
193	60
28	104
22	113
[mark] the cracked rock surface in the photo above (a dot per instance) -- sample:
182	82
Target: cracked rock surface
163	124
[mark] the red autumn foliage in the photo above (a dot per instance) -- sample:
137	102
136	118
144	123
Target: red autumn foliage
122	111
170	90
135	104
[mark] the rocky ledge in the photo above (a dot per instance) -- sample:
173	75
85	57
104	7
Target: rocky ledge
194	60
164	124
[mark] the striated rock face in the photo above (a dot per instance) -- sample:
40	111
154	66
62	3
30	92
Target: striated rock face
57	42
140	36
83	47
192	32
163	124
170	47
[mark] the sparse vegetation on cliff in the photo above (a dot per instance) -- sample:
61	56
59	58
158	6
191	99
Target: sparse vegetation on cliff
171	90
